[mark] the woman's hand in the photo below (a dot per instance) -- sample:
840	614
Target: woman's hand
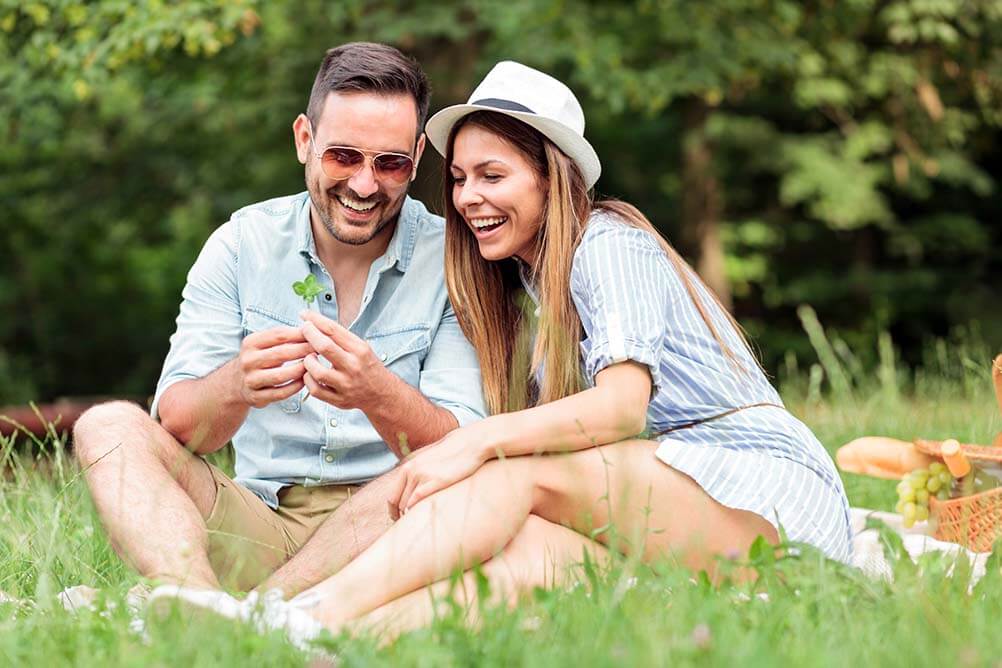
451	459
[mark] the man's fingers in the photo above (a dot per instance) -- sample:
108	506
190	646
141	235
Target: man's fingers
319	371
282	353
263	379
340	334
262	398
322	392
274	336
324	345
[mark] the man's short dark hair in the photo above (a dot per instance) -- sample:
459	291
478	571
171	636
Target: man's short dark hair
370	68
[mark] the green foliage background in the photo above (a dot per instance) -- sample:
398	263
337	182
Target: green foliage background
848	153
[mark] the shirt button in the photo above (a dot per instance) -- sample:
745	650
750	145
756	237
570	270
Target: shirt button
329	459
333	422
382	357
328	296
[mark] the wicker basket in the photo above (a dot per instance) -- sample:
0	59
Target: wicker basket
972	521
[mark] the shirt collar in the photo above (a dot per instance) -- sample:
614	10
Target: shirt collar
401	247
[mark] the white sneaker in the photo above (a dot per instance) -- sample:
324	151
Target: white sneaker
265	613
270	612
193	603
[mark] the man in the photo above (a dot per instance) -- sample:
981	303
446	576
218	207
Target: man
315	402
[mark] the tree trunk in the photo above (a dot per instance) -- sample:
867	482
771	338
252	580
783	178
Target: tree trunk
701	201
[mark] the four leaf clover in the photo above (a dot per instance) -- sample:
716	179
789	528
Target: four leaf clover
308	289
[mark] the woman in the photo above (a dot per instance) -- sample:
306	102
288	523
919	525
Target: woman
619	337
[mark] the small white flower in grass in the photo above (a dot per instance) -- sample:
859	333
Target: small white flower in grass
533	623
701	636
7	598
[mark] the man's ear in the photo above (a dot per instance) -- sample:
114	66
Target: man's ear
301	136
418	152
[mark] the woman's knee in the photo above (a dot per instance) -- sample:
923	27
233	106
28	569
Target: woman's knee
540	555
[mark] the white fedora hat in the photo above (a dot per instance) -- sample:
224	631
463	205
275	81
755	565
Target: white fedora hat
532	97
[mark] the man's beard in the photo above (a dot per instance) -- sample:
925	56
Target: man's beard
327	207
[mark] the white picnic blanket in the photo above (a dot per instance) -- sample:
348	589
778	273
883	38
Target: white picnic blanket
868	553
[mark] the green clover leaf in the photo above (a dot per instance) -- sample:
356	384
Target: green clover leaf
308	289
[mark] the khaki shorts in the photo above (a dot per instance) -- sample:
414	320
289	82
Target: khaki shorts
248	540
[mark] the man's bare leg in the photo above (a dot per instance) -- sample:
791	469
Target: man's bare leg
350	529
151	493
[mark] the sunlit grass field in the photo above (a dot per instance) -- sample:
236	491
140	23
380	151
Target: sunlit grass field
816	612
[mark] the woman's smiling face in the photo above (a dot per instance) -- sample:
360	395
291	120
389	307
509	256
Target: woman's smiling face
498	193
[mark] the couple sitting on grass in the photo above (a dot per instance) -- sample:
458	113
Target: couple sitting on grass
626	411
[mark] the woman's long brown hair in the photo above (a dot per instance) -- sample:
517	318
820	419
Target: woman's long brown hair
487	296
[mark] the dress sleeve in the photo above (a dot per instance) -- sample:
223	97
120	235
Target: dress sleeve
623	286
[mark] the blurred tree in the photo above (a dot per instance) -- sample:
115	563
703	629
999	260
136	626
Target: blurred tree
840	154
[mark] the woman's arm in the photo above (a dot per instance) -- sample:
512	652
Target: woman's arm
614	409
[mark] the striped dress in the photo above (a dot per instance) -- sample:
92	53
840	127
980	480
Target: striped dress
634	306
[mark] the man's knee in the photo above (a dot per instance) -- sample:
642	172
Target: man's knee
105	428
90	431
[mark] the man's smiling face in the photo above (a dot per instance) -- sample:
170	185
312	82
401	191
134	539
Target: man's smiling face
355	210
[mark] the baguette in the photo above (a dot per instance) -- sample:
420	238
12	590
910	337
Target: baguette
997	379
881	457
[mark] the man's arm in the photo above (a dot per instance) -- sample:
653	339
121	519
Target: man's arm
404	418
213	374
205	413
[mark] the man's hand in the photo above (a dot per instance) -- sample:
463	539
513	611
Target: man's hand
264	369
356	378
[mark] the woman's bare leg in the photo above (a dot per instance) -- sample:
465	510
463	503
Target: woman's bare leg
541	554
656	511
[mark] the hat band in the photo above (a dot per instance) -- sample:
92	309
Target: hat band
498	103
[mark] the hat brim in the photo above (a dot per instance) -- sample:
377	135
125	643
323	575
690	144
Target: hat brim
567	140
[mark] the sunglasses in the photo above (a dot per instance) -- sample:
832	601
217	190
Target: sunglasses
343	162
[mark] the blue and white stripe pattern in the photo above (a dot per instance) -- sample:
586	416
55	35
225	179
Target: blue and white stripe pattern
634	306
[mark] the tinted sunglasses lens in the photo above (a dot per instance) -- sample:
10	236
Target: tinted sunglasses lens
342	163
396	168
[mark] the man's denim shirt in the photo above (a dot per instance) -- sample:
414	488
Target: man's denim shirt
242	283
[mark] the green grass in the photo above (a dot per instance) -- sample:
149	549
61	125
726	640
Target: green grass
818	612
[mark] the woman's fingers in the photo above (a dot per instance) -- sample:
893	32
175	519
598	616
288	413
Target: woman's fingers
420	493
412	482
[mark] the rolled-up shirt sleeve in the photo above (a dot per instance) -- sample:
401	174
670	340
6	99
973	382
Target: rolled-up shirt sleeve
623	286
450	377
209	324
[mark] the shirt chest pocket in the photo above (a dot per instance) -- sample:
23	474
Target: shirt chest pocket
403	351
258	320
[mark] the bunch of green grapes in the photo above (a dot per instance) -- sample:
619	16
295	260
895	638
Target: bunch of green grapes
915	489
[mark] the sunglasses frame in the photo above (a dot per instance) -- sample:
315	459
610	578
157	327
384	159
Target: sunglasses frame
370	158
